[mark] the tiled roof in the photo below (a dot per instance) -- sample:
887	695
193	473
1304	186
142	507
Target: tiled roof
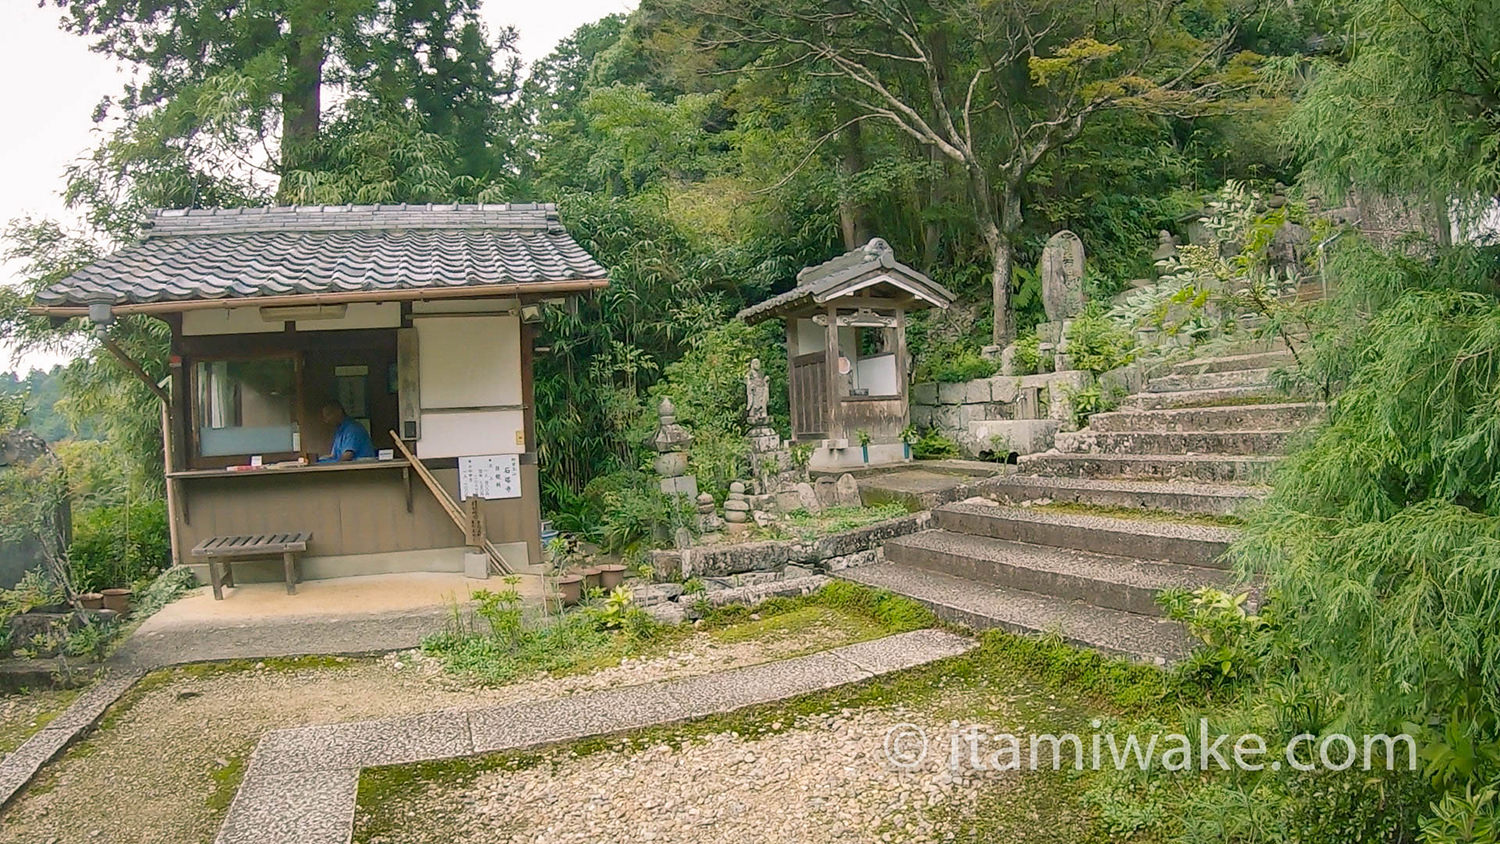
815	282
244	253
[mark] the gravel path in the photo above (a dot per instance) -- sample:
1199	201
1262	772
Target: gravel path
164	768
825	780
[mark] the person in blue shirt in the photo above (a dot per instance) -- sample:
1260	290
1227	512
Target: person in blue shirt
350	439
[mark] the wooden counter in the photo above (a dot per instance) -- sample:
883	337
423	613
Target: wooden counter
346	466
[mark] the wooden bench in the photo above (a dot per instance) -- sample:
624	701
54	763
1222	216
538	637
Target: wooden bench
222	551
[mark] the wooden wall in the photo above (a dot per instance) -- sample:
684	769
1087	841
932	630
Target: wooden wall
359	511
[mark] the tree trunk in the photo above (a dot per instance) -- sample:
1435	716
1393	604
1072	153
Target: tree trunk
854	222
301	99
1000	281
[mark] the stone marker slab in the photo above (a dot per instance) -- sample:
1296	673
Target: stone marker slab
308	808
362	744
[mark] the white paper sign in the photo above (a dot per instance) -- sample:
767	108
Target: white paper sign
489	477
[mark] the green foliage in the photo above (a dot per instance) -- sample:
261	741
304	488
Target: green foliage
1096	343
1086	401
957	363
934	445
1409	105
838	519
166	588
119	545
1233	641
1029	359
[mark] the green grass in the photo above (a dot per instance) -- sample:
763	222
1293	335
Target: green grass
808	526
227	779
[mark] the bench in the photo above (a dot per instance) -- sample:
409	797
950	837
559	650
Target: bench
222	551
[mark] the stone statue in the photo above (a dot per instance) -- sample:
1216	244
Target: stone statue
1061	271
757	394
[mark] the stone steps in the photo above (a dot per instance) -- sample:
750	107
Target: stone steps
1277	359
1145	539
1261	417
1242	396
1208	468
1236	443
981	606
1179	496
1211	380
1112	582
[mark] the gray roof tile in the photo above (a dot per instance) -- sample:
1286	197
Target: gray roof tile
231	253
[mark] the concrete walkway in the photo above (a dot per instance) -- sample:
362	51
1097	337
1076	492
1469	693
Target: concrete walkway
301	785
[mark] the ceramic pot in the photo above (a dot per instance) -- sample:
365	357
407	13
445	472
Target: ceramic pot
117	600
91	601
592	579
611	576
570	589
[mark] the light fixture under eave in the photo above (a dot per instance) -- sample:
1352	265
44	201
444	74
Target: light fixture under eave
531	313
303	312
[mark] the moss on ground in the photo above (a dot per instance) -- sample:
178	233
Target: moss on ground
1138	513
23	714
1042	683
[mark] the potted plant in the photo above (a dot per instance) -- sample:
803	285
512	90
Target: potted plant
570	589
117	600
611	576
909	435
864	443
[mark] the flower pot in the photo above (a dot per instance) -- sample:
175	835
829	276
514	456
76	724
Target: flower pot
611	576
906	451
570	589
91	601
592	579
865	450
117	600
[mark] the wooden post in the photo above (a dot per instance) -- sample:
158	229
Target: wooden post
791	376
835	380
474	531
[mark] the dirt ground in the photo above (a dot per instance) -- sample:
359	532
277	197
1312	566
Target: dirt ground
166	760
21	715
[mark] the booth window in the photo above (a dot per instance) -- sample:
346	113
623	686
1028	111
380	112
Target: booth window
244	407
871	356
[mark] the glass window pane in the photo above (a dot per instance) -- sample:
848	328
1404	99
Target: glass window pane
245	406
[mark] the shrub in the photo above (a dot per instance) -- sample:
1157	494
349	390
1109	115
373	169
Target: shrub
118	545
957	364
1029	359
933	445
1096	343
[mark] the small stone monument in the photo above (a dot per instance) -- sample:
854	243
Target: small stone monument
1061	271
846	491
763	438
1165	256
737	509
671	442
708	515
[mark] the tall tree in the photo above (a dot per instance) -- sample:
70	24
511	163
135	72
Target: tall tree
992	87
239	89
1412	105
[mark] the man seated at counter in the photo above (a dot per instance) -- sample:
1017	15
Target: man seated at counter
350	439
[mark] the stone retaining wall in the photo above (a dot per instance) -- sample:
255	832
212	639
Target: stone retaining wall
1003	413
859	546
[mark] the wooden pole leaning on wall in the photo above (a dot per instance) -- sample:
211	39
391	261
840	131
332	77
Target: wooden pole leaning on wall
457	514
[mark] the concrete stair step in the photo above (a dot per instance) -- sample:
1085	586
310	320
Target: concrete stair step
1210	468
1089	441
1279	358
1255	417
1117	583
1144	539
981	606
1242	396
1179	496
1210	380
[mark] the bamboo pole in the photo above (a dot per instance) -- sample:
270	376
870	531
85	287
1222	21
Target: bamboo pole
460	519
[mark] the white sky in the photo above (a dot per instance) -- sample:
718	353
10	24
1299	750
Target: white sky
53	83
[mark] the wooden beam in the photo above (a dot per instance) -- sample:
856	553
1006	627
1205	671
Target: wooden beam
135	369
478	291
458	515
